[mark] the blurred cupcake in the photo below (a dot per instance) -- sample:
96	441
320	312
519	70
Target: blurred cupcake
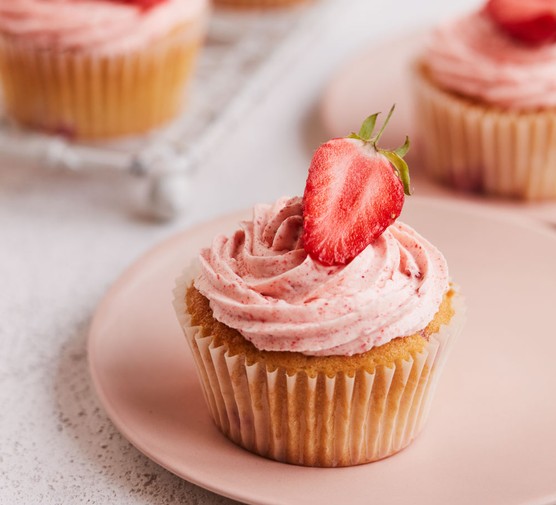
315	350
485	90
92	69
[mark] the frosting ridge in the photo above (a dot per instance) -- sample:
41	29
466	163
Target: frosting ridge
474	57
262	282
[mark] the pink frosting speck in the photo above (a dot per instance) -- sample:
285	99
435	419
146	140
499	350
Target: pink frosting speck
261	282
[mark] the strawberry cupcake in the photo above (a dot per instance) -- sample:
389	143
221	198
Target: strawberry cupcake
485	92
93	69
319	328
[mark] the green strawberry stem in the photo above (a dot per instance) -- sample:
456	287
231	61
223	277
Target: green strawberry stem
376	138
395	157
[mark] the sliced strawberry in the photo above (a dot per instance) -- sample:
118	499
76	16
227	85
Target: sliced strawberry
142	4
529	21
354	191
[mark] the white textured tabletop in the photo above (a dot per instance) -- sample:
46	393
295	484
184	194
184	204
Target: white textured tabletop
65	238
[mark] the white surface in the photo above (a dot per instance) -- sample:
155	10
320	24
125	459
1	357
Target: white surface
145	376
65	239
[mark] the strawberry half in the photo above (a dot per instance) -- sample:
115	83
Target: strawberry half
529	21
354	191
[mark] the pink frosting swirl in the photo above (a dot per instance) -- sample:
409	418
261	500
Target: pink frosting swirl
261	282
92	25
474	57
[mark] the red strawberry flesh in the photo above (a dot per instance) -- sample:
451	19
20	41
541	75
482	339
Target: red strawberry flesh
529	21
352	195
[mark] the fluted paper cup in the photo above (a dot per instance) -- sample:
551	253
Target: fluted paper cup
472	146
87	96
317	420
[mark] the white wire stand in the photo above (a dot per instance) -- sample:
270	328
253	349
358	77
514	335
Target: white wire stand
243	55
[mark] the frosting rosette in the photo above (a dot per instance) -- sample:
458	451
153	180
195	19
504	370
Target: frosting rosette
92	25
261	282
474	57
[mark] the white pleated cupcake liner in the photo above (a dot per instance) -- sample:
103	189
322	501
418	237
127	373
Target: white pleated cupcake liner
472	146
317	420
83	94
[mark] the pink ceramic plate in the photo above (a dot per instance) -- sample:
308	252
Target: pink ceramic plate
491	436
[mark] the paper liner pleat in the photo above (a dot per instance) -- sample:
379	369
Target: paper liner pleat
84	95
317	420
476	147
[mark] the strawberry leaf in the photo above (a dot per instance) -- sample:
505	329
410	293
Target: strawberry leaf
368	127
402	150
401	168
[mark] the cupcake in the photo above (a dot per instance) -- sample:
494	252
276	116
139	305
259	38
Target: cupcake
91	69
320	327
485	93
